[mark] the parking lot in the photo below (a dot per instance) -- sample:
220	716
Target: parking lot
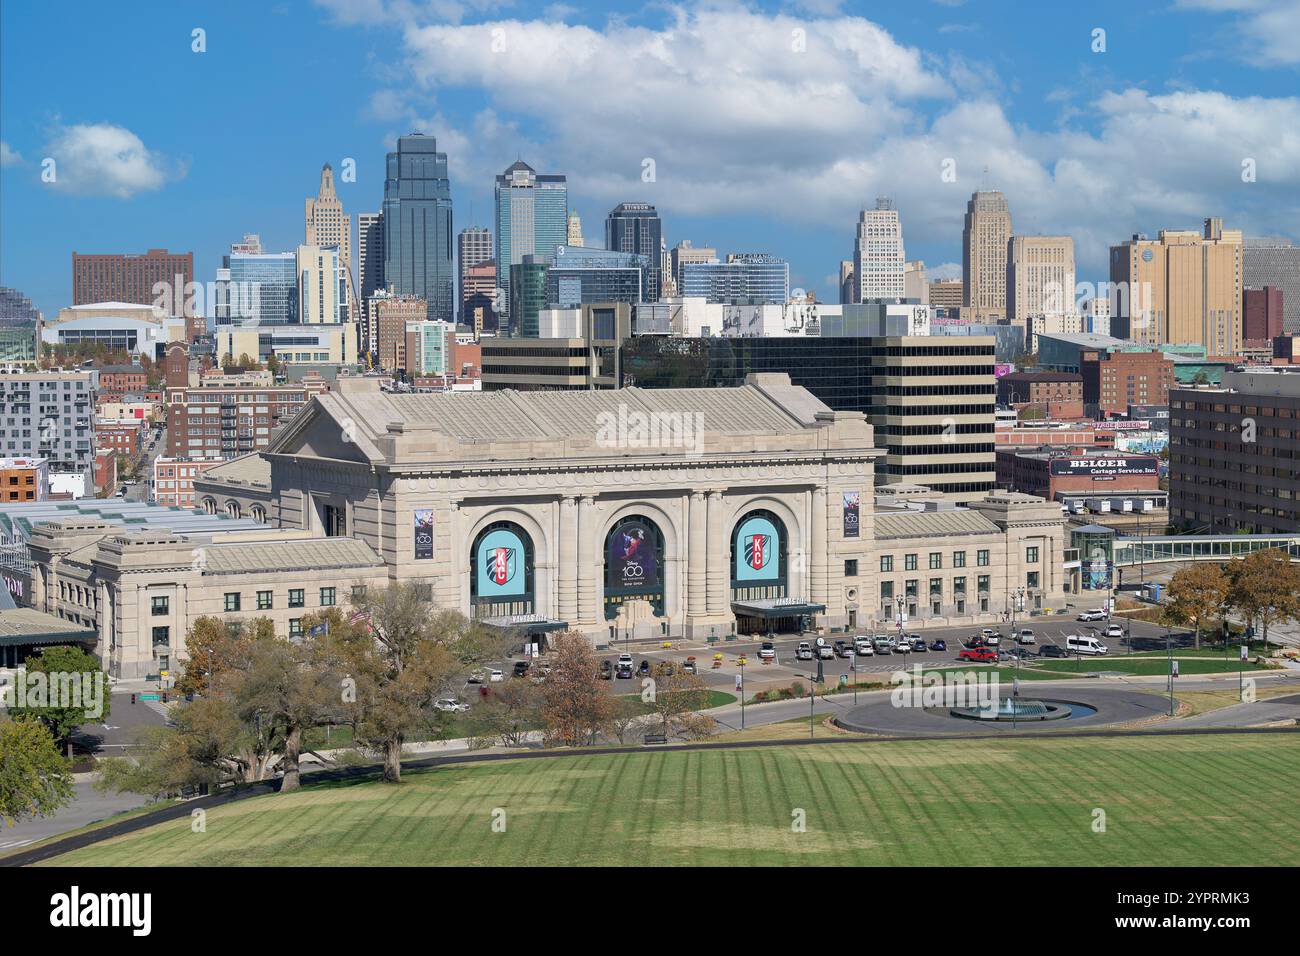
785	668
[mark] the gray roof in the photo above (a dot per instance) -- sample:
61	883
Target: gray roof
302	555
507	415
922	524
26	625
18	518
250	469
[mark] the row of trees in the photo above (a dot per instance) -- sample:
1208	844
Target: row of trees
253	697
1262	588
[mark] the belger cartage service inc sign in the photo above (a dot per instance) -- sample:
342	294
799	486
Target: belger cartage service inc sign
1105	467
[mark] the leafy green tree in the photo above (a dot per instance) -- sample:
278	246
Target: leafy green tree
1264	587
402	657
1196	595
35	779
77	691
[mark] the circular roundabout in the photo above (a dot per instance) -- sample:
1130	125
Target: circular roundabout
908	711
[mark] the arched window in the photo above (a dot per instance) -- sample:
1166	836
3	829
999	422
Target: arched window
259	514
501	571
210	505
634	564
758	557
232	509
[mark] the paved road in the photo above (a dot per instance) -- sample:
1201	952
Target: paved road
88	806
1246	715
124	722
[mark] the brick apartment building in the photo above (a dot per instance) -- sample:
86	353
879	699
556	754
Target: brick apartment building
120	436
1233	451
1112	381
24	479
173	479
105	471
230	415
1053	434
117	380
1059	394
131	278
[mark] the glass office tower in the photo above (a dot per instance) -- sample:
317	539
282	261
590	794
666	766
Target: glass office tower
745	278
256	290
635	227
532	219
580	275
527	296
417	225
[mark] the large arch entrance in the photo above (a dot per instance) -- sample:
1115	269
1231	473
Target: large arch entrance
760	574
501	572
634	564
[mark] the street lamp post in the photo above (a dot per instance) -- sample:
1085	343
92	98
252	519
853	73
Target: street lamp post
1169	650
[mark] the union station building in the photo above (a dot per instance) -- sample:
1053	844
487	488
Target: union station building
641	513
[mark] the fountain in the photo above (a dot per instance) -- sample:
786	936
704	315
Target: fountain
1013	708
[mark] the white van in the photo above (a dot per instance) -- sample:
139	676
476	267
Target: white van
1080	644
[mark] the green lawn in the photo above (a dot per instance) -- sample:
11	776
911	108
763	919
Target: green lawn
1184	801
1145	666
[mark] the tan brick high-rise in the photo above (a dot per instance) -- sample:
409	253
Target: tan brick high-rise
984	254
328	225
1183	288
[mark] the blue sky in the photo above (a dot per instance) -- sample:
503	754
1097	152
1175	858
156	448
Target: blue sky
768	125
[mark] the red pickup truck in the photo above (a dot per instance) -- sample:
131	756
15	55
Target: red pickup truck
979	655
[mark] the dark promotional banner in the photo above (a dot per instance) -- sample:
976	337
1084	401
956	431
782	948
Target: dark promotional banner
423	534
852	500
633	563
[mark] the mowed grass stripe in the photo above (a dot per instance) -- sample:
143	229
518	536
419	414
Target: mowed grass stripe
1202	800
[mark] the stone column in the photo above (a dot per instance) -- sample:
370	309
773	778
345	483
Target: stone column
717	573
587	570
817	546
696	573
568	558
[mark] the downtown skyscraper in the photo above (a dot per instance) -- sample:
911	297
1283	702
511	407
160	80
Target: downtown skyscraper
636	227
417	229
878	257
984	241
532	219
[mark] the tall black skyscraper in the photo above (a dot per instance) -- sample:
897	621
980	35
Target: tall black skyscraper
636	227
417	225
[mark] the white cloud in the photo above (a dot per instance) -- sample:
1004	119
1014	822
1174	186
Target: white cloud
9	156
943	271
1269	29
741	123
103	159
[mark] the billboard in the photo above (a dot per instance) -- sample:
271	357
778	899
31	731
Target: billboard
633	557
499	565
1095	575
852	500
423	534
758	551
1105	467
